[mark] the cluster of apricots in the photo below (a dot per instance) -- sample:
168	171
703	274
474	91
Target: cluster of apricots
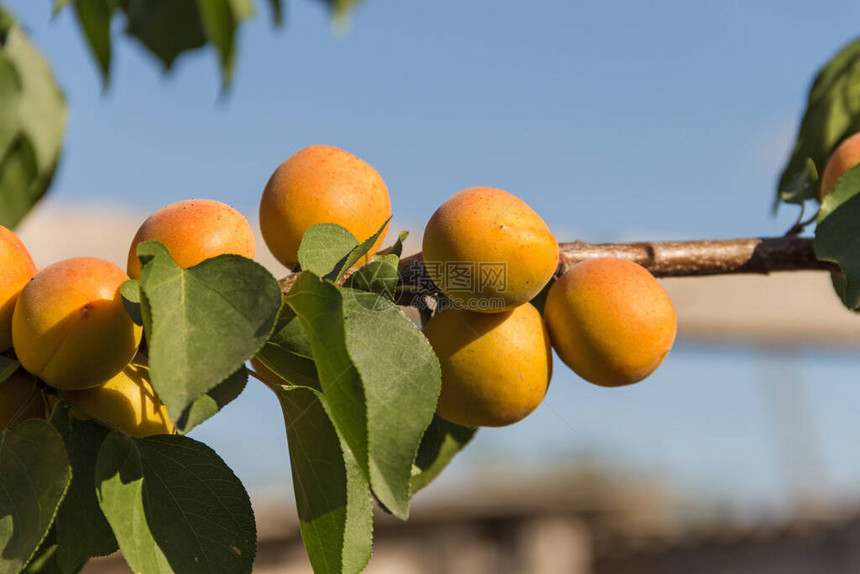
69	329
608	319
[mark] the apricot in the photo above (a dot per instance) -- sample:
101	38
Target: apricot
321	184
16	268
846	156
20	399
496	367
127	401
488	251
610	321
194	230
70	328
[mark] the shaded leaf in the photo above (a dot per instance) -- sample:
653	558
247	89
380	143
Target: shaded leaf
288	351
277	12
333	499
32	122
832	113
82	531
166	28
7	367
803	185
380	277
94	18
130	293
837	237
212	401
202	323
34	476
396	248
440	443
174	505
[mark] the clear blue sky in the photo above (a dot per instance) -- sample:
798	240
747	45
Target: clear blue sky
614	120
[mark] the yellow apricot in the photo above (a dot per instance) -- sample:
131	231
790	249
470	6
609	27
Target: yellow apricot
127	401
321	184
610	321
20	393
488	251
194	230
496	367
16	268
846	156
70	327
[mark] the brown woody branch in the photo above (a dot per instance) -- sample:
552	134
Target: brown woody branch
671	258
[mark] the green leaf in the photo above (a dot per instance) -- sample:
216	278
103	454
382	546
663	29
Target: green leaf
130	293
803	185
402	379
441	442
325	248
220	20
370	356
32	121
288	351
832	113
277	12
328	250
211	402
318	306
837	237
174	506
45	560
333	499
380	277
166	28
34	476
94	18
7	367
82	530
202	323
396	248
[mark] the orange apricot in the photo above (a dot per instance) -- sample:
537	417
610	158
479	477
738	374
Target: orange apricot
488	251
496	367
194	230
846	156
70	327
321	184
17	268
610	321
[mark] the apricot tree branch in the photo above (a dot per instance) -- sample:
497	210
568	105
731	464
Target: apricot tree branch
669	258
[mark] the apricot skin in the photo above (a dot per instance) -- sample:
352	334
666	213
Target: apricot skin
484	225
496	367
15	392
127	401
610	321
846	156
70	328
17	268
194	230
321	184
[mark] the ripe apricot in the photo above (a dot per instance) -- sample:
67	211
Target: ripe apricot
70	327
126	401
194	230
844	157
20	393
496	367
321	184
16	268
488	251
610	321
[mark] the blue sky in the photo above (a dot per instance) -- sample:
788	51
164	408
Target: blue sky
614	120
